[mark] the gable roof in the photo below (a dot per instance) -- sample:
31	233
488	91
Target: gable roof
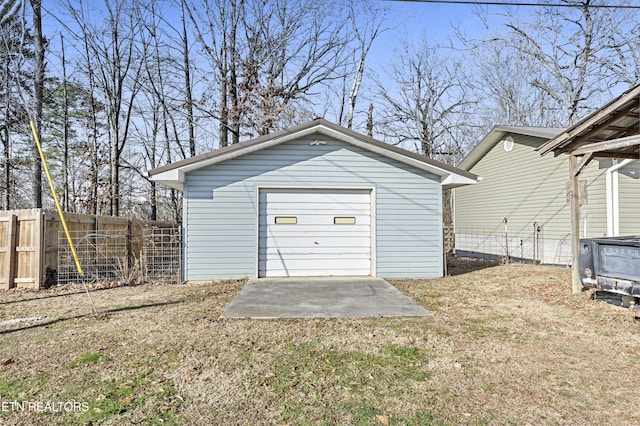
620	118
497	133
173	174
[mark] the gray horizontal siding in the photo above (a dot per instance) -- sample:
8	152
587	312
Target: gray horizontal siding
221	208
526	188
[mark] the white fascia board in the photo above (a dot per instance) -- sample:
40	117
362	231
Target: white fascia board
171	178
455	180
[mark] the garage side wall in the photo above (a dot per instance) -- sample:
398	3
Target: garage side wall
221	207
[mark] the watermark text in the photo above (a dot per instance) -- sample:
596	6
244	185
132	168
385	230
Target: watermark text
42	407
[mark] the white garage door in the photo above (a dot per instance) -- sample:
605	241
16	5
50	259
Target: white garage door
314	232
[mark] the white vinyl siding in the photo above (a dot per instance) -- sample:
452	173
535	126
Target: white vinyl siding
221	207
307	241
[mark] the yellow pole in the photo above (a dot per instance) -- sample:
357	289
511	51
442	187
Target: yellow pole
55	198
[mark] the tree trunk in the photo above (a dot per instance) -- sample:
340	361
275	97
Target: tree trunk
65	130
36	192
187	84
6	204
353	96
114	175
7	159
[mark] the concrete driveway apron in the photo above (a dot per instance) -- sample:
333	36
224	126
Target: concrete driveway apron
323	297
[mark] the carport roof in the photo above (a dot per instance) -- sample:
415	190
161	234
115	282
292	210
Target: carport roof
610	131
173	174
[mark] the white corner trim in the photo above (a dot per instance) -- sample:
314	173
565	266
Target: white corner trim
612	197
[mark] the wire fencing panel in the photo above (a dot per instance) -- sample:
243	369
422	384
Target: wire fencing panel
161	259
517	247
116	256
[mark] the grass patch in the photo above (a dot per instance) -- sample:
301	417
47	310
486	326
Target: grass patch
496	351
309	373
88	358
23	389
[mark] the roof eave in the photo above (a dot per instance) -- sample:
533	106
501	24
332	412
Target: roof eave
455	181
387	152
172	178
173	175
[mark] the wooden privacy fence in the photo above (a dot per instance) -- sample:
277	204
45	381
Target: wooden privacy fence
29	242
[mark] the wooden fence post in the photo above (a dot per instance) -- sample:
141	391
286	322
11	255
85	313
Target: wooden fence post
129	253
38	276
10	254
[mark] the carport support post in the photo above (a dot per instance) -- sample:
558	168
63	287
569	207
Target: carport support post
576	283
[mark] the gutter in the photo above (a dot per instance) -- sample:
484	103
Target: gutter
613	202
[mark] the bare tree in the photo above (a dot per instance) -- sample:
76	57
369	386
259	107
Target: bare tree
38	83
270	59
506	94
118	67
162	136
425	101
9	10
187	79
16	71
367	20
301	46
566	52
621	58
93	146
65	130
215	24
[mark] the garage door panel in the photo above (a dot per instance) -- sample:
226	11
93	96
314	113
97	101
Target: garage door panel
298	207
295	203
314	244
292	233
328	266
318	196
300	242
327	252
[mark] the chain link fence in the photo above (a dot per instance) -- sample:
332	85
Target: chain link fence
117	256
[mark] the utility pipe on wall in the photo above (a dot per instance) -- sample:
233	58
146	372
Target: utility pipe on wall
613	202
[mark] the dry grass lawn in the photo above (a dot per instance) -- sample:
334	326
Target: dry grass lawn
503	345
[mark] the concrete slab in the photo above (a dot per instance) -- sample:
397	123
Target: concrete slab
324	297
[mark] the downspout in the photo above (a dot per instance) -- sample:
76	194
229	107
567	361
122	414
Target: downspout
613	202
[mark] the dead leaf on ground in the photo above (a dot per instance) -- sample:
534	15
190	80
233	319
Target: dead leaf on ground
8	361
384	419
128	400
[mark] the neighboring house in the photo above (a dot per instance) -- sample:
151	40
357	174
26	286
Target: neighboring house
316	199
530	192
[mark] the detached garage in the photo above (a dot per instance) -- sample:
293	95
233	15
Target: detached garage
313	200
